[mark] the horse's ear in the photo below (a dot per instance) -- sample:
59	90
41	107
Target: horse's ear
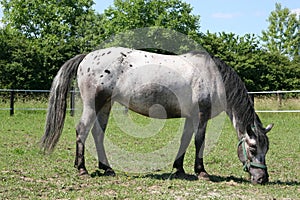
268	128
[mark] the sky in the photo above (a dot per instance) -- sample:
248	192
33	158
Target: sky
237	16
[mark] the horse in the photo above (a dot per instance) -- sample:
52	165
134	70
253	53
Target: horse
196	86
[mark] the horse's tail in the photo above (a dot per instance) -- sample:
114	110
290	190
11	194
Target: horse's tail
58	103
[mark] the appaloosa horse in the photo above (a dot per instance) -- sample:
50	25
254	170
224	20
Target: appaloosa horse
195	86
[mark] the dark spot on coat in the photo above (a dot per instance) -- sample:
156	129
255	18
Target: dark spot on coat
98	63
88	70
103	54
101	75
109	52
107	71
130	65
95	57
145	56
123	54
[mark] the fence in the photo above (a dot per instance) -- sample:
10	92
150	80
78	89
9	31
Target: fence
12	93
12	100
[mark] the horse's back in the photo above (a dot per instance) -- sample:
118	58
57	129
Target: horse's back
141	80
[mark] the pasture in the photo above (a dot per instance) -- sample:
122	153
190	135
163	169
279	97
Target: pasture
27	173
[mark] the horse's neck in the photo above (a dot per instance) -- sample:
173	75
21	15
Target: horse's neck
240	107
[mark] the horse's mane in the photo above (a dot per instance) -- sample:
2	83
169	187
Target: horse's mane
237	96
238	99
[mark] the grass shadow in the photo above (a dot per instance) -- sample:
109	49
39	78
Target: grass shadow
192	177
286	183
218	179
170	176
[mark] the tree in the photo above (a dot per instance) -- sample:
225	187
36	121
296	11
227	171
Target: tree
260	69
283	33
128	19
55	30
17	52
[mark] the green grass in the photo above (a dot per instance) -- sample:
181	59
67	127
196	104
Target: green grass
26	173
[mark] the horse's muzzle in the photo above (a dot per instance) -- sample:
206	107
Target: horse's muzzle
260	178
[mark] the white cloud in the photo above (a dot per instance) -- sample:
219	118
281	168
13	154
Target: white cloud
225	15
296	11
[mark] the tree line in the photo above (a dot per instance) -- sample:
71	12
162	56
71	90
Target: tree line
37	37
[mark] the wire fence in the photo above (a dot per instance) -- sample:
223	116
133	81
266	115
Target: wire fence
11	96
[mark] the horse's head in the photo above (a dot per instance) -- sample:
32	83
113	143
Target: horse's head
252	150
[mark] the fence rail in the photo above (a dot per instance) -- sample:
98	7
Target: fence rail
12	93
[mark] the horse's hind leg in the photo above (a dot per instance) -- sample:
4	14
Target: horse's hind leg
98	132
200	144
82	130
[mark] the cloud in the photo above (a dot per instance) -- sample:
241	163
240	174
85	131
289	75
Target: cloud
225	15
296	11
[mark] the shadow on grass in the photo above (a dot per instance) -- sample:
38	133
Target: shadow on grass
218	179
286	183
170	176
192	177
214	179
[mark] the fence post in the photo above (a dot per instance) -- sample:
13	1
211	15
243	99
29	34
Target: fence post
252	97
279	99
72	102
12	101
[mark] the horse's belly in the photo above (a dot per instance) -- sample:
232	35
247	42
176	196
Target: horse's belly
157	101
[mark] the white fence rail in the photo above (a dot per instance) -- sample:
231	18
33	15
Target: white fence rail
12	93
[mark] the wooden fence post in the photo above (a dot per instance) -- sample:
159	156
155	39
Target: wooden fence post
279	99
252	97
12	101
72	102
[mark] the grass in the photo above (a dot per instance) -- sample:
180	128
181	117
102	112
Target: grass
26	173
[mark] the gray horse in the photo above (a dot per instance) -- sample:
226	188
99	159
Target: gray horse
195	86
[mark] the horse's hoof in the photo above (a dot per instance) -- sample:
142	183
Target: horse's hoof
109	172
82	172
204	176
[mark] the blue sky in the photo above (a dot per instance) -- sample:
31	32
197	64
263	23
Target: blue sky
237	16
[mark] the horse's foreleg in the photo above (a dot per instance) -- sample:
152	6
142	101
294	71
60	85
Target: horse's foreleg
98	132
200	144
82	130
184	143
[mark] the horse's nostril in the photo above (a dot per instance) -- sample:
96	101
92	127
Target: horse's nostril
260	180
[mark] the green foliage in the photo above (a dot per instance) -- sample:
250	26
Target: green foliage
133	14
283	33
152	25
17	52
46	34
260	70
